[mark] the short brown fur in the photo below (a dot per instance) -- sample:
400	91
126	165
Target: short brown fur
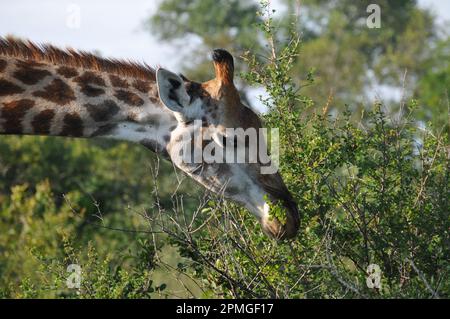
13	113
42	122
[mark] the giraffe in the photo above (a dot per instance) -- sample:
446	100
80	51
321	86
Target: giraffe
49	91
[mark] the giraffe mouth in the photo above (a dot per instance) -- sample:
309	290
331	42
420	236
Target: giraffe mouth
275	228
283	231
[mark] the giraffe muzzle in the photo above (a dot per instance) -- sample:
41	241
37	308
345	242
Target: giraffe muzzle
283	231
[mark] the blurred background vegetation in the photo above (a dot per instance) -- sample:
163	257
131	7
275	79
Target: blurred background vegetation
365	115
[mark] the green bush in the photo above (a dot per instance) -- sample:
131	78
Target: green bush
58	194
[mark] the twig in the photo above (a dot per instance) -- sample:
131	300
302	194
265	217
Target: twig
434	293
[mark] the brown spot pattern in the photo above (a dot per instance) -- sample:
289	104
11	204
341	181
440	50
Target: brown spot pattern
57	92
91	91
42	122
90	78
3	65
141	86
67	72
129	98
73	125
13	113
8	88
26	73
104	130
118	82
104	111
86	82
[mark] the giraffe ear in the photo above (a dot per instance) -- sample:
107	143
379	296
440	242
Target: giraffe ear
172	91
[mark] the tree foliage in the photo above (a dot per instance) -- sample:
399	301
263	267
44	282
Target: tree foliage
373	190
369	194
350	62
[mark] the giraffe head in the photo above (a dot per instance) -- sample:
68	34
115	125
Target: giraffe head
228	164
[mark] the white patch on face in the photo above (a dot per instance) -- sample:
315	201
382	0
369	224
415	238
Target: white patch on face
191	112
256	203
249	195
237	178
266	209
136	133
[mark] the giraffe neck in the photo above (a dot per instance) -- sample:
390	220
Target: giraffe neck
42	98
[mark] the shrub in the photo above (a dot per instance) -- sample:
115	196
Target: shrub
374	192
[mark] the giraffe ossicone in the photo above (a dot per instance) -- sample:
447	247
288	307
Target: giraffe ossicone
203	128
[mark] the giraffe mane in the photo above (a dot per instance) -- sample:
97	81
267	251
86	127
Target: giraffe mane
28	50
